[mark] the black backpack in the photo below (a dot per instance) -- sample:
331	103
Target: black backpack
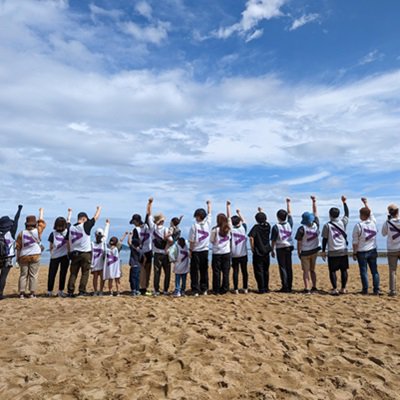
4	249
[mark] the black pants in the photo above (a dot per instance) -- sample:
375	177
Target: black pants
242	262
284	257
335	264
199	269
63	263
221	264
161	262
5	267
261	272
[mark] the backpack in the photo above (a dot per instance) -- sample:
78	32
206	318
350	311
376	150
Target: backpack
4	249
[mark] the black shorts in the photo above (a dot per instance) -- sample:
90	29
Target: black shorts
338	263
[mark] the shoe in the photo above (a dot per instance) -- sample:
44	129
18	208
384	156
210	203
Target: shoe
118	294
334	292
71	295
111	294
61	294
32	296
49	294
236	291
378	293
343	291
205	293
307	291
156	294
21	296
364	292
165	293
245	291
83	294
148	293
392	293
196	295
95	294
314	289
177	294
101	294
133	293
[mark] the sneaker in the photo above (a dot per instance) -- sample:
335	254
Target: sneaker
101	294
49	294
148	293
334	292
364	292
343	291
307	291
156	294
165	293
83	294
177	294
118	294
196	295
392	293
245	291
32	296
95	294
21	296
378	293
61	294
314	289
205	293
236	291
111	294
71	295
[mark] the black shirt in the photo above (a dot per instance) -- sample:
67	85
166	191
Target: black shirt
261	236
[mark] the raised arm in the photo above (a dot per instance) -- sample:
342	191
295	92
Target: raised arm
15	223
123	237
228	209
41	214
149	207
288	206
345	206
106	229
69	215
260	209
314	205
240	216
209	207
97	213
365	202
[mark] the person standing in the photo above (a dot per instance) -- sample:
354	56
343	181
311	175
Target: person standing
181	267
199	238
8	230
58	240
308	246
364	248
81	251
261	248
391	230
335	238
99	258
29	250
281	238
239	252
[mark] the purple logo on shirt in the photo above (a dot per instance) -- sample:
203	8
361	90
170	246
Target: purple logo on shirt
111	259
336	233
8	242
285	234
238	238
62	241
76	236
223	239
28	240
97	253
396	235
311	235
370	233
185	255
145	236
203	235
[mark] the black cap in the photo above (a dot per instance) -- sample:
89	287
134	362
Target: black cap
82	215
136	218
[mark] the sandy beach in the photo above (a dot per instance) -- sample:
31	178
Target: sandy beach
274	346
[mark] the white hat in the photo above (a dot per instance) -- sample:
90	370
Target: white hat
99	232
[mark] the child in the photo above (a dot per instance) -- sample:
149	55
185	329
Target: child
199	237
221	251
112	268
364	248
29	250
99	257
282	240
334	235
181	267
239	251
58	240
308	246
261	248
391	229
142	232
174	229
137	259
8	230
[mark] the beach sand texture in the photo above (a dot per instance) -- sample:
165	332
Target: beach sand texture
274	346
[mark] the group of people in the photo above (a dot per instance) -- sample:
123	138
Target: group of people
163	249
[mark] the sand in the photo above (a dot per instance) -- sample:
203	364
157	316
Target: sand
274	346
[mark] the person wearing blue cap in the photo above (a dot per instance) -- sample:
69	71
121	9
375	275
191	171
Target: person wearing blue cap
308	246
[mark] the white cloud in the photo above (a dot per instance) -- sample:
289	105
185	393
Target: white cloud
144	9
372	56
97	11
303	20
255	12
306	179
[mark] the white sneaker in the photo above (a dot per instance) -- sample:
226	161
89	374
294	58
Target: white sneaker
205	293
21	296
236	291
32	296
61	294
111	294
245	291
196	295
49	294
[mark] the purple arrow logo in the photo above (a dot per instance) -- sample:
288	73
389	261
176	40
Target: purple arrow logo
223	239
396	235
185	255
111	259
62	241
336	232
97	253
311	235
28	240
203	235
370	233
238	238
8	242
145	236
285	234
76	236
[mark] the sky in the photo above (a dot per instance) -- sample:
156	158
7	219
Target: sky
109	102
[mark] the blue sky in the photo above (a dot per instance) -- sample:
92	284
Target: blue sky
110	102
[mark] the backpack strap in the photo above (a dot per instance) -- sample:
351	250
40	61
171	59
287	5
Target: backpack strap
393	226
344	234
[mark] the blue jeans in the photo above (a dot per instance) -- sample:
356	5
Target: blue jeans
134	278
368	259
180	283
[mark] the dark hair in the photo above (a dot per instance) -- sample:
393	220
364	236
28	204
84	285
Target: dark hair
282	215
175	221
365	212
393	212
181	242
334	212
82	215
200	213
261	218
135	242
60	224
113	240
98	238
222	224
235	220
136	218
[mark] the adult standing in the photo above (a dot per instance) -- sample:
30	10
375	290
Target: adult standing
364	248
29	250
8	230
81	251
391	230
199	237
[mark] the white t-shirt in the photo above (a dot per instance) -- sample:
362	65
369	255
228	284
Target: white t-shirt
364	235
336	239
284	235
182	262
220	244
144	233
239	242
158	232
10	242
79	240
310	239
199	234
60	244
30	243
393	235
112	267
